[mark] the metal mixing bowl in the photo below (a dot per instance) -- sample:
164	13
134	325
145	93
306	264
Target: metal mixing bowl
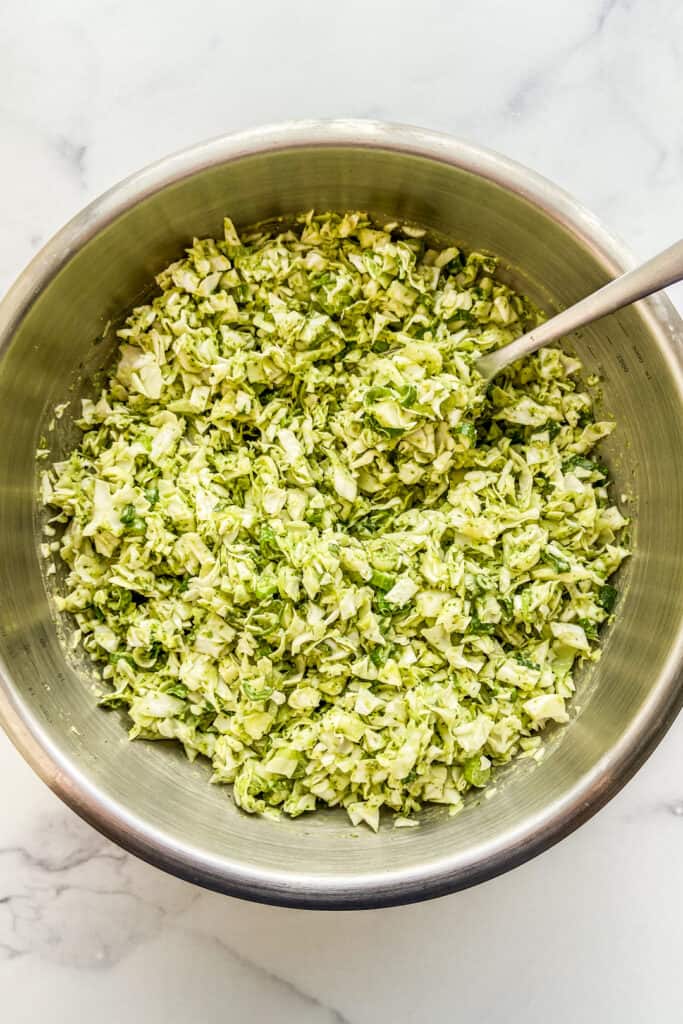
145	796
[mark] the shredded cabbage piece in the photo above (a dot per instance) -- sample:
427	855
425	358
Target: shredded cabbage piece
304	540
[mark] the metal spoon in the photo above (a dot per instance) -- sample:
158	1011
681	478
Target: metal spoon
657	273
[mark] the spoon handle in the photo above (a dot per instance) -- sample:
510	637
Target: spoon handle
657	273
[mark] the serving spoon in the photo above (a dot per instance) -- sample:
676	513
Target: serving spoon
652	276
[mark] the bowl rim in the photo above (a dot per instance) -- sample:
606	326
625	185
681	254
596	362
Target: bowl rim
369	889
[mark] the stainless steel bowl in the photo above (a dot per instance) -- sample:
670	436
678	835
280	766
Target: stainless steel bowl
146	796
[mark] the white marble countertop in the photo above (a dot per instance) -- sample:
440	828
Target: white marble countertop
588	93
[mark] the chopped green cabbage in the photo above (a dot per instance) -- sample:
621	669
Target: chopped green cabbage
304	540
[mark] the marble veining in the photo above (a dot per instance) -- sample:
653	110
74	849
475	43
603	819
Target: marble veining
588	93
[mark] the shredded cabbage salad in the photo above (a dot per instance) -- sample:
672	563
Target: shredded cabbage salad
304	540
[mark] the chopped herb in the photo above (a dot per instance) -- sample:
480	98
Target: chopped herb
607	597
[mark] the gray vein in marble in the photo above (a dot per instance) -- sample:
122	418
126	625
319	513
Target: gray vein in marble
283	983
74	898
50	866
74	153
607	10
527	92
